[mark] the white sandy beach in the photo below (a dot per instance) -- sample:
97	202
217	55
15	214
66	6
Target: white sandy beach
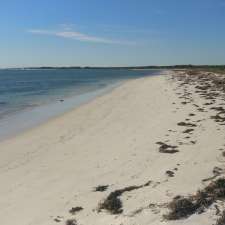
112	141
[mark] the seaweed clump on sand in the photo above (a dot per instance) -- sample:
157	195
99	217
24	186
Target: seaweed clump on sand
74	210
113	204
187	131
71	222
165	148
183	207
170	173
101	188
186	124
221	220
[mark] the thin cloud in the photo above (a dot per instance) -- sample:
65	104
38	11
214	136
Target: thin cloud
124	29
70	34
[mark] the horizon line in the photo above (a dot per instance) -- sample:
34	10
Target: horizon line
137	66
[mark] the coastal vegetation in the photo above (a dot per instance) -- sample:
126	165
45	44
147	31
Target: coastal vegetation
209	68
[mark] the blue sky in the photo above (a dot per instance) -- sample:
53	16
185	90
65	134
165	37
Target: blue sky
111	32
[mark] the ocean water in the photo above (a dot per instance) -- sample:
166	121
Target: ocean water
31	96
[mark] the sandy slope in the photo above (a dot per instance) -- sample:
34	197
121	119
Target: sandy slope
111	141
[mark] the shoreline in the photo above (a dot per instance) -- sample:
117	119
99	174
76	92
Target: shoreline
53	111
144	143
14	125
28	109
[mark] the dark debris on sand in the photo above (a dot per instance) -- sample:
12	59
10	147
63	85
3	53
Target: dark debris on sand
209	86
165	148
187	131
186	124
170	173
101	188
74	210
113	203
71	222
221	220
183	207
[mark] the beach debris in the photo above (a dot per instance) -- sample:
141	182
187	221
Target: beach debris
101	188
219	108
187	131
180	208
205	87
221	220
113	203
186	124
217	171
71	222
201	110
58	219
183	207
217	209
170	173
165	148
218	118
208	103
74	210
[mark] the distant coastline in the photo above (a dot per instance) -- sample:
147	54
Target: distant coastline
202	67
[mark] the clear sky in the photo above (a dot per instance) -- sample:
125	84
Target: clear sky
111	32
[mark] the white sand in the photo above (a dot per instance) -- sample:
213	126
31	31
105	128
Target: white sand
109	141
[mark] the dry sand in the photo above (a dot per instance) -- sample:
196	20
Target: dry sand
112	141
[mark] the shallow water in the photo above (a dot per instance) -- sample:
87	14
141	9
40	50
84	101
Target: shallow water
29	97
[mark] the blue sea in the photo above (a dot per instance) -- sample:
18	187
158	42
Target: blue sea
31	96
